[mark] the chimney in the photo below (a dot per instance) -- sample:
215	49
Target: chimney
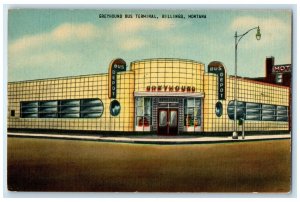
269	65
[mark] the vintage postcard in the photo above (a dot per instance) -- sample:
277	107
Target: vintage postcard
149	100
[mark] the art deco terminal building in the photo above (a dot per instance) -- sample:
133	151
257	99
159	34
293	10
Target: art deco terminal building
156	96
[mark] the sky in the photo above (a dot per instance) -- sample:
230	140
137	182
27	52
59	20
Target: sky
48	43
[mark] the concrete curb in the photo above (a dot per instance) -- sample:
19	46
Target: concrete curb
154	140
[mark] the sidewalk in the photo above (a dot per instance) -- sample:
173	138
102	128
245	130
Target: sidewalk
155	139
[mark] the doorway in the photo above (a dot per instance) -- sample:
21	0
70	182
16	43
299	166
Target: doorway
167	123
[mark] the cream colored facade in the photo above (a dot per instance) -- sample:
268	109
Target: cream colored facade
93	86
148	88
247	91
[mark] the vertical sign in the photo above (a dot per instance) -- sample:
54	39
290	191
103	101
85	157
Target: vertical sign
117	65
218	68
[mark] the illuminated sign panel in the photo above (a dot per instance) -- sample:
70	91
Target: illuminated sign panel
282	68
117	65
218	68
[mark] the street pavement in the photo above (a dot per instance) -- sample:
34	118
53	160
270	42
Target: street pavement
155	139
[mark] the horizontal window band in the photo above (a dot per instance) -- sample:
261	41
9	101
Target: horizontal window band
74	108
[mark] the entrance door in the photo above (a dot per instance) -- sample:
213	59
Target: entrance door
167	122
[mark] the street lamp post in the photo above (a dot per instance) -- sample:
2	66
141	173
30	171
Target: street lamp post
237	40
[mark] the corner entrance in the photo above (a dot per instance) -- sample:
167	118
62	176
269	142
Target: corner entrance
167	121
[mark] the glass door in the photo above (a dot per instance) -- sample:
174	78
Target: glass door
173	122
167	122
162	128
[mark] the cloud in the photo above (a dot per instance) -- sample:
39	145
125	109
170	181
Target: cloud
176	40
45	58
63	33
65	50
129	31
272	28
71	47
131	44
136	25
244	22
165	24
126	25
27	42
70	33
78	31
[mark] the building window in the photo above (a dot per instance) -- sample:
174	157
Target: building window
239	110
281	113
192	112
268	112
48	109
91	108
219	109
12	112
70	109
143	110
257	111
115	108
29	109
253	111
83	108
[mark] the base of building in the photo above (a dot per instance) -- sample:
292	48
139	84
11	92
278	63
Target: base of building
146	133
163	140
